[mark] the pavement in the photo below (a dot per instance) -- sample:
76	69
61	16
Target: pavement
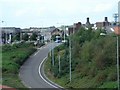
3	87
32	73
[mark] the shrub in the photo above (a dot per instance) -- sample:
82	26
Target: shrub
14	56
102	76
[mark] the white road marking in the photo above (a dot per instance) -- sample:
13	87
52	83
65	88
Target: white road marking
36	53
42	76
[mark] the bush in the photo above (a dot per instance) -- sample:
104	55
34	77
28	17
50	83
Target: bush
101	77
10	67
112	76
14	56
92	55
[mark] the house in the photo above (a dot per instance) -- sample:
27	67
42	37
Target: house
74	28
77	26
56	31
88	24
103	24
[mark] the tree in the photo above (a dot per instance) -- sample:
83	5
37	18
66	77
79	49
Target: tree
25	37
33	37
16	37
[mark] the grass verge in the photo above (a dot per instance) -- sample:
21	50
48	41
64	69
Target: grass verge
78	81
12	58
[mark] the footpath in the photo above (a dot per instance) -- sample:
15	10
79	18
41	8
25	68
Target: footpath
3	87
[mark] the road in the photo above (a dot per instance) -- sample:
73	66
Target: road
29	71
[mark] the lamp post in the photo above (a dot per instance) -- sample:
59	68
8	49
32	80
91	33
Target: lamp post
70	58
64	32
118	62
117	32
52	54
50	46
59	63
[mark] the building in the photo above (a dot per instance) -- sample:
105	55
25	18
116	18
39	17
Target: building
8	32
11	30
74	28
56	31
103	24
70	30
119	11
35	29
87	22
77	26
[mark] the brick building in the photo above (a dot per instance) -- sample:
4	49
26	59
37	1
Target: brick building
74	28
103	24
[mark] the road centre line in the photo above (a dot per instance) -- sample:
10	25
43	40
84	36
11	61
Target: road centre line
36	53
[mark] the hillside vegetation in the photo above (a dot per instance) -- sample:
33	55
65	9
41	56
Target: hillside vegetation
93	61
12	58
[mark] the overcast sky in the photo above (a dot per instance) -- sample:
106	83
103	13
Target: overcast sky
37	13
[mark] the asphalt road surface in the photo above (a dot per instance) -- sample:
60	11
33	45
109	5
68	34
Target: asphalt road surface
30	73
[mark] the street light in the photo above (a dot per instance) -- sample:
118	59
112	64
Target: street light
118	62
70	58
117	32
52	54
64	32
59	63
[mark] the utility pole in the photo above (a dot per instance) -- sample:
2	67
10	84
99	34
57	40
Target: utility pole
70	58
6	37
52	54
59	63
21	36
118	62
64	32
50	47
117	33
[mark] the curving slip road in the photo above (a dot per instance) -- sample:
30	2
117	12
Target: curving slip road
29	72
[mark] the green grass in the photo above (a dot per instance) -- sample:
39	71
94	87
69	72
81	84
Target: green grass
109	84
12	58
12	80
61	81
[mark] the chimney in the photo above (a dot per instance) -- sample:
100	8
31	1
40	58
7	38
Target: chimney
88	20
106	19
